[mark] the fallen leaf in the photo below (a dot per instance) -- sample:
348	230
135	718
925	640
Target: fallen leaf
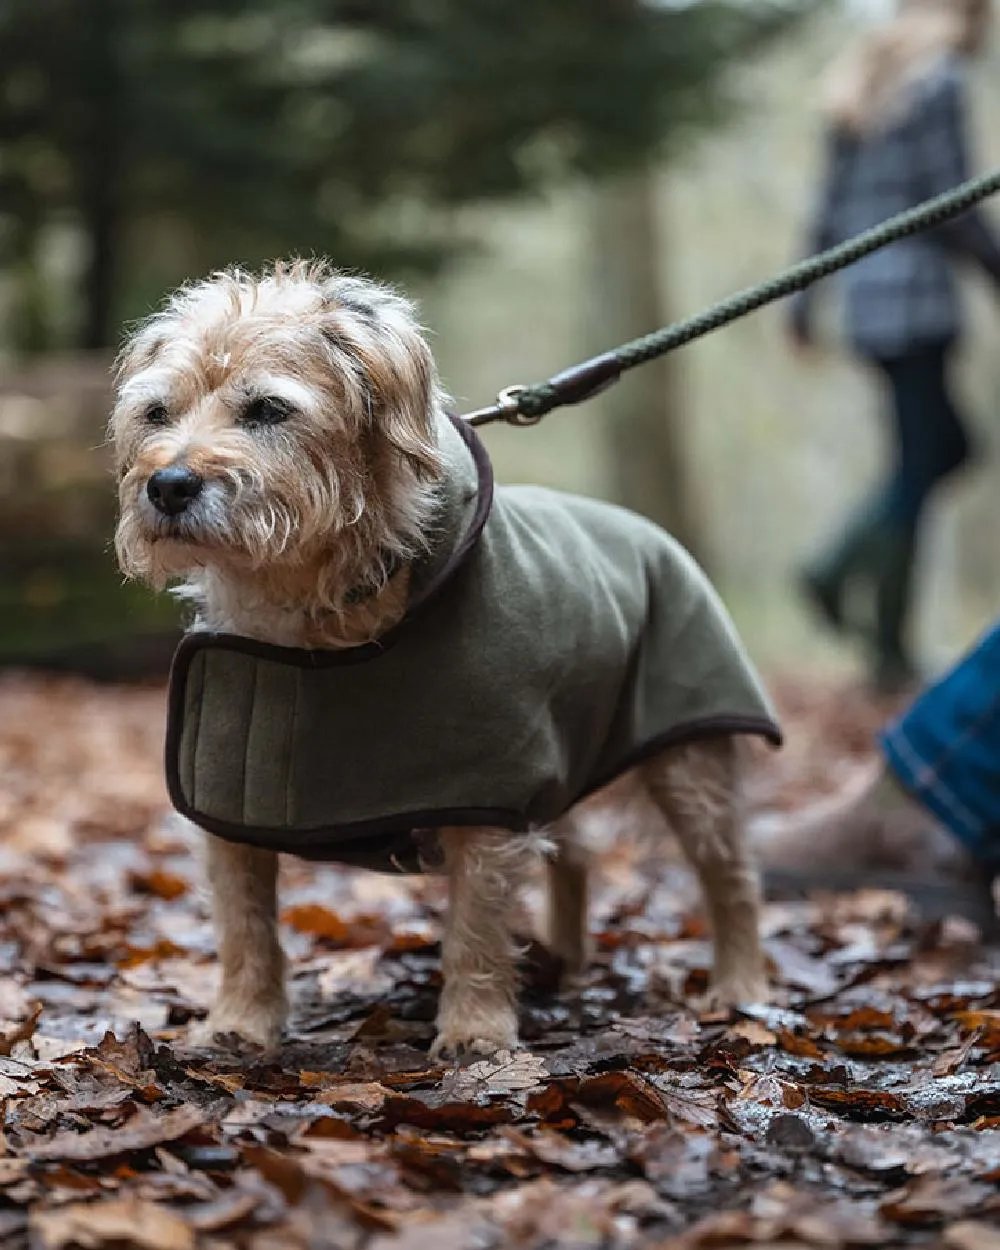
861	1104
161	949
754	1032
141	1132
229	1209
129	1060
159	882
559	1151
627	1092
676	1162
443	1117
20	1032
971	1235
357	1096
12	1171
794	1044
692	1106
929	1200
950	1061
799	969
352	971
502	1075
320	922
121	1221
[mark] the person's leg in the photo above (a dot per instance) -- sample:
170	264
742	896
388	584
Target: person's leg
944	751
828	578
929	808
930	445
859	553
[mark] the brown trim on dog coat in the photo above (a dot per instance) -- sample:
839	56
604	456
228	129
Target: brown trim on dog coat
551	643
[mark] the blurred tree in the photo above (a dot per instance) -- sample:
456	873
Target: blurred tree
160	136
645	426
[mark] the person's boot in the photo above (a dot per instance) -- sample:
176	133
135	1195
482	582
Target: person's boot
872	834
893	671
825	581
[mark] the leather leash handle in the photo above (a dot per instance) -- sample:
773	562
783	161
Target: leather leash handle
571	386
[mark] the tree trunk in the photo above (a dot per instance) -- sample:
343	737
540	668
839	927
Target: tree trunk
29	324
645	422
100	169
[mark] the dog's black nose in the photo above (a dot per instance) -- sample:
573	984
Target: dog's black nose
171	490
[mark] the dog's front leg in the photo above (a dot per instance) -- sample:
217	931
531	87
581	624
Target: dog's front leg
486	869
252	999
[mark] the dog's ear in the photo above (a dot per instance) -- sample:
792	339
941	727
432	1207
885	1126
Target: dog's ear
403	400
400	394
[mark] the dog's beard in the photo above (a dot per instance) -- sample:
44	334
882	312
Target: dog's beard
240	525
231	523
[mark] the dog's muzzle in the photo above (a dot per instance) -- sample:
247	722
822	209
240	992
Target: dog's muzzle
172	490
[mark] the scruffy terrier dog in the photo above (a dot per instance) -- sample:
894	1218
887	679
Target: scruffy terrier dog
283	451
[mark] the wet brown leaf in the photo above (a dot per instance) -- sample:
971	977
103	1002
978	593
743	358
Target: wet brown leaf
627	1093
971	1235
805	1047
21	1032
318	921
559	1151
862	1104
355	1096
143	1130
231	1208
931	1200
163	884
116	1221
754	1032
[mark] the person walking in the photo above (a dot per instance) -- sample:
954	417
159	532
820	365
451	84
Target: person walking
896	116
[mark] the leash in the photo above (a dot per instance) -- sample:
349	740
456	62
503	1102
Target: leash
526	405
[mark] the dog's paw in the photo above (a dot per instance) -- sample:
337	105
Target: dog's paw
736	988
261	1025
449	1049
474	1032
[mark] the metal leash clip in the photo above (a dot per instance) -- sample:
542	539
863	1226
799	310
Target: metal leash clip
508	405
505	409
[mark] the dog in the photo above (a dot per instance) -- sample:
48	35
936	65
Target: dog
282	450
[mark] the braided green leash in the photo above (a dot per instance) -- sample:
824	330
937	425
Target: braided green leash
525	405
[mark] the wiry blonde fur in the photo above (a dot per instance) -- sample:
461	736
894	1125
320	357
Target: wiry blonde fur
295	517
292	520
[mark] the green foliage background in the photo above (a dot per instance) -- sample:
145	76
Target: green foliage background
168	137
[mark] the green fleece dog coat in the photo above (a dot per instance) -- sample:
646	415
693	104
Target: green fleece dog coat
551	642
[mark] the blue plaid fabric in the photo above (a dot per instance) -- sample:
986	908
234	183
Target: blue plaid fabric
945	750
903	297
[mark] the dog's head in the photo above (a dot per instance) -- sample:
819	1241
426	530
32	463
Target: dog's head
280	421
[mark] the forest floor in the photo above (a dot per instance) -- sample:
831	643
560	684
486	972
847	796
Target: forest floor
860	1108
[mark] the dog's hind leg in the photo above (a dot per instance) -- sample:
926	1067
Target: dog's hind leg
251	999
698	789
486	870
568	872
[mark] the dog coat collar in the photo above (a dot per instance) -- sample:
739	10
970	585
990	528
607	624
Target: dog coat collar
464	501
550	643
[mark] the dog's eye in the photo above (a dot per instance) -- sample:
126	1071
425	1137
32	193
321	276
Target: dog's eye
156	414
265	410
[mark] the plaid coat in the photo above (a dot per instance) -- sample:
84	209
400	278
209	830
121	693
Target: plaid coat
904	297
